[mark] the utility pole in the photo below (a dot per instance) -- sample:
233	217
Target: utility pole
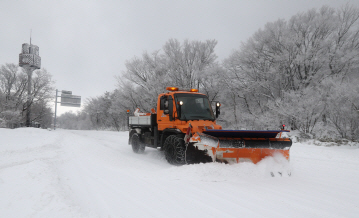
30	60
55	109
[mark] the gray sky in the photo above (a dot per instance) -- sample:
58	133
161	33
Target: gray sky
84	44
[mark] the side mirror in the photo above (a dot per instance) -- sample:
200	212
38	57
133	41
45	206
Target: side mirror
179	109
218	111
169	105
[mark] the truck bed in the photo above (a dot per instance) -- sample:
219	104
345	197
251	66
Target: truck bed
142	121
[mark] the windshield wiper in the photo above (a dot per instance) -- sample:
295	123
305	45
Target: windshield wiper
204	118
184	115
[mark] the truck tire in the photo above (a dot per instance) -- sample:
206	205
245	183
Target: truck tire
175	150
137	146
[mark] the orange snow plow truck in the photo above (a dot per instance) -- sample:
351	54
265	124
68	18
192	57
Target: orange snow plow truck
184	127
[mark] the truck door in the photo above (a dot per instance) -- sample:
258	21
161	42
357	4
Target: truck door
165	112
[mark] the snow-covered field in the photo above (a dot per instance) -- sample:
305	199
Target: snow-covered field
67	173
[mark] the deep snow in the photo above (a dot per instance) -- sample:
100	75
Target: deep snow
67	173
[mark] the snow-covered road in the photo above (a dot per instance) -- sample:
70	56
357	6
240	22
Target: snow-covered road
67	173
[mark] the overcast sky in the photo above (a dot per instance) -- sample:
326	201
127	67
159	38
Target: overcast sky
84	44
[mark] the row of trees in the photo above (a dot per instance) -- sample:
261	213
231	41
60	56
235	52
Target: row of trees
302	72
13	96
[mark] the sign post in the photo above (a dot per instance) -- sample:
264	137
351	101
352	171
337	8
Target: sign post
68	100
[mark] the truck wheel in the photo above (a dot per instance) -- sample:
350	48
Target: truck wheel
175	150
137	145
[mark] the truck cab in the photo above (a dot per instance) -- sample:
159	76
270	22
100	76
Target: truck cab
176	109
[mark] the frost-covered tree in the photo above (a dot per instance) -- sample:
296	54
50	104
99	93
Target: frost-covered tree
12	86
277	74
143	80
342	109
13	94
69	120
181	65
105	113
186	62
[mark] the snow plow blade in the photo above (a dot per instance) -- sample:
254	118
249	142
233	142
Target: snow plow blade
234	146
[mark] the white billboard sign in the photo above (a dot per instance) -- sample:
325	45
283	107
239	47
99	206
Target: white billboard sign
70	100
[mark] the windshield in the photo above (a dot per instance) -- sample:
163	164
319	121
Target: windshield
195	107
